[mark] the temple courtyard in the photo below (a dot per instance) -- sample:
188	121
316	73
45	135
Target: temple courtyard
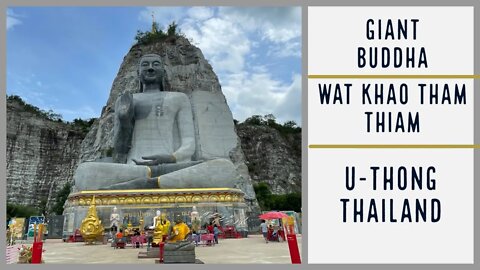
251	250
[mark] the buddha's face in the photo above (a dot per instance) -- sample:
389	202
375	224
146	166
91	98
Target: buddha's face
150	69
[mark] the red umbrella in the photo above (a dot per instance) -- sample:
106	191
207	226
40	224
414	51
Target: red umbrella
273	215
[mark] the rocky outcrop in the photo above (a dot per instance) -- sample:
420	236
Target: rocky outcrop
41	156
272	157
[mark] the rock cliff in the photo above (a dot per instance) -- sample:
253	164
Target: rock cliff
272	157
41	156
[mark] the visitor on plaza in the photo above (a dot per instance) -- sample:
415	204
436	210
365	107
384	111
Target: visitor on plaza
119	235
216	231
264	229
210	227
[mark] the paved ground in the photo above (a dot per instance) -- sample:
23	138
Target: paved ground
252	250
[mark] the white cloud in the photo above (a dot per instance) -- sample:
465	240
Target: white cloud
200	13
293	48
275	24
258	93
12	19
223	43
290	107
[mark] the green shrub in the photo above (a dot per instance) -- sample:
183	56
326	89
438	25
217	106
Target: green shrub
157	34
17	210
268	201
62	196
289	127
50	115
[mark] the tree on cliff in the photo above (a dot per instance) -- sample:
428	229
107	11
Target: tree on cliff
17	210
50	115
62	196
269	120
157	34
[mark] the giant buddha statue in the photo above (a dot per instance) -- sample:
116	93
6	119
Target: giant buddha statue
154	141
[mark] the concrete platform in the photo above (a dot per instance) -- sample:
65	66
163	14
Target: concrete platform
251	250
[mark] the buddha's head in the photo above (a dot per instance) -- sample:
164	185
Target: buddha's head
178	219
150	71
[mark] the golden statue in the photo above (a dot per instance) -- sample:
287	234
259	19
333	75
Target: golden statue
162	227
91	227
179	231
166	224
141	223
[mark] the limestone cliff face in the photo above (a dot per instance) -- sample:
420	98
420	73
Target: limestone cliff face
189	72
41	156
272	157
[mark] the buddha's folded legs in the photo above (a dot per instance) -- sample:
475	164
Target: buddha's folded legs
95	175
216	173
195	174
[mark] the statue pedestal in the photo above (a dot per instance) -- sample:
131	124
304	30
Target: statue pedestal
133	205
153	252
187	256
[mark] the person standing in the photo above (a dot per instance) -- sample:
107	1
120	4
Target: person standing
210	227
264	229
216	231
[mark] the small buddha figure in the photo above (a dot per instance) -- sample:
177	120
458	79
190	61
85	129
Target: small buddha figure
114	219
161	228
158	234
141	224
195	219
156	219
179	232
166	225
129	225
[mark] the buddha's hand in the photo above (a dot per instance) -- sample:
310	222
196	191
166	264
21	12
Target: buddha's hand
155	160
124	106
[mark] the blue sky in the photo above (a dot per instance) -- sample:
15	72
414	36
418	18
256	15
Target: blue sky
66	58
